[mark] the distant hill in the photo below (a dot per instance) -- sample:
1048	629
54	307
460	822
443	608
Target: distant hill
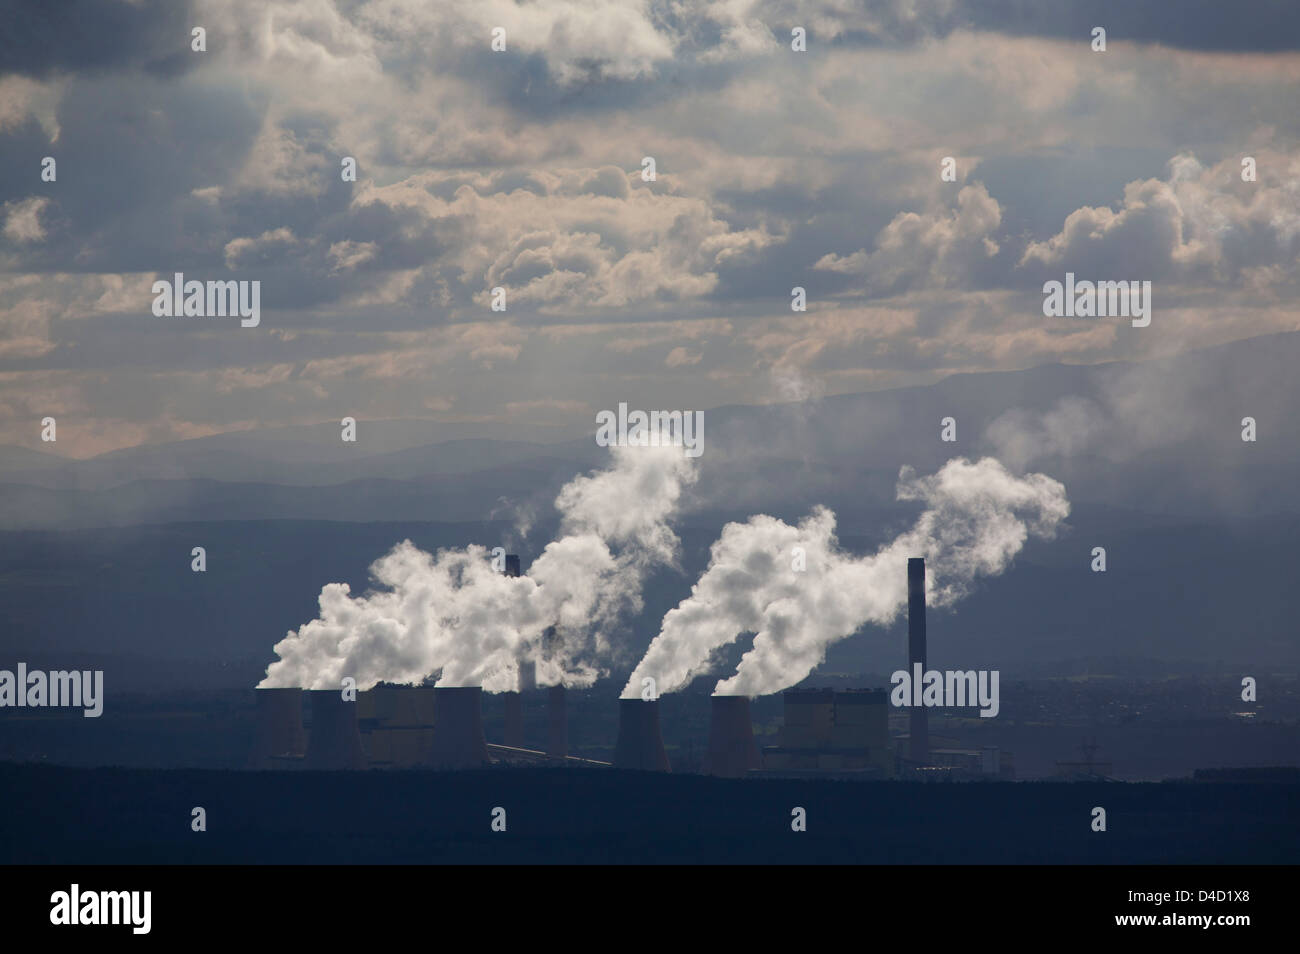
1161	436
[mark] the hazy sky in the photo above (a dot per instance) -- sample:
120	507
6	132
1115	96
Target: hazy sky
522	169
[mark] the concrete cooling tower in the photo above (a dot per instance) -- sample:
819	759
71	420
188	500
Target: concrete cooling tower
514	711
458	740
732	749
640	744
557	723
279	739
396	725
335	740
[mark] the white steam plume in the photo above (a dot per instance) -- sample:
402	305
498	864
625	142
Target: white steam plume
977	517
452	614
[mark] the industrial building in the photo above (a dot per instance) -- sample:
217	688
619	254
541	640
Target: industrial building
732	750
824	731
396	725
400	727
834	731
640	743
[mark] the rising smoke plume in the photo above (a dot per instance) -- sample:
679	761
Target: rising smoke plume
451	614
977	517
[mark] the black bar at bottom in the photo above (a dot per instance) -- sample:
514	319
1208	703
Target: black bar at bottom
364	903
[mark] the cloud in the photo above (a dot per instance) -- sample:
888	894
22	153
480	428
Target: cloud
23	219
580	238
347	255
1199	222
151	35
936	249
680	357
21	98
521	169
267	247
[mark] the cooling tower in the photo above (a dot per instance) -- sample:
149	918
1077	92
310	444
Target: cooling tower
732	749
920	727
335	741
640	744
458	740
414	707
557	723
278	734
514	702
396	725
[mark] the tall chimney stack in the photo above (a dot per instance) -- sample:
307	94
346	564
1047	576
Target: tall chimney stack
512	564
335	741
458	740
920	726
278	734
640	743
732	749
557	723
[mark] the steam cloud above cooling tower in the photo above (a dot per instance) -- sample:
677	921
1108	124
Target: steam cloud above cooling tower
451	612
977	517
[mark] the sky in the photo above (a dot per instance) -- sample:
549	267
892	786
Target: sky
523	169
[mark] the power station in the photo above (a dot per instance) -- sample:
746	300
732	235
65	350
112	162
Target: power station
844	732
335	739
640	743
732	749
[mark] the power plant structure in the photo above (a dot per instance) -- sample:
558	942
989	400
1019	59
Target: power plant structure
557	723
843	732
514	700
827	730
640	743
732	750
335	739
279	739
458	740
398	727
396	724
919	725
514	719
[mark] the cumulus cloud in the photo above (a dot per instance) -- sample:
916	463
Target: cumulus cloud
264	248
23	219
1199	222
521	169
347	255
935	249
573	239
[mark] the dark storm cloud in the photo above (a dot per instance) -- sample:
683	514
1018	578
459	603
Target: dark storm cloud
129	156
1220	25
1242	25
94	36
